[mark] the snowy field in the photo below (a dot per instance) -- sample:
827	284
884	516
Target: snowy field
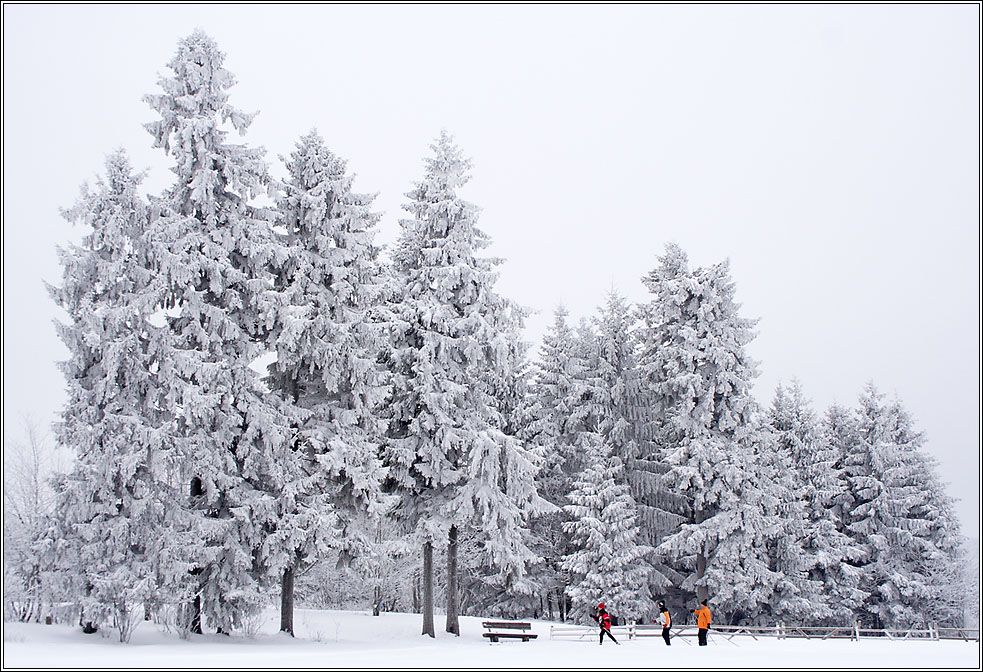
340	639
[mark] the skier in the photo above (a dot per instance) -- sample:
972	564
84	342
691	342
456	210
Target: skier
703	621
604	620
666	622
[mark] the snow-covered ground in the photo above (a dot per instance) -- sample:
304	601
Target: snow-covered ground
341	639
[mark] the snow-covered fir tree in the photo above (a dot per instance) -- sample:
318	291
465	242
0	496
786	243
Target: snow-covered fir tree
795	595
817	448
902	519
933	552
608	561
114	527
550	430
449	454
709	432
829	590
327	342
215	248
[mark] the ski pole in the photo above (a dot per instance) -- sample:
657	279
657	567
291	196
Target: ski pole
725	638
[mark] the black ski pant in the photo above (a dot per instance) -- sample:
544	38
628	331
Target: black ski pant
702	636
665	635
608	633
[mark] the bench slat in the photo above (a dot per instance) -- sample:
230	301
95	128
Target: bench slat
507	625
494	636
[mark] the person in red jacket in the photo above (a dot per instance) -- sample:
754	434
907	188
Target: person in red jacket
702	621
604	620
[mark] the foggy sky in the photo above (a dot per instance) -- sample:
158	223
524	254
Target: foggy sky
831	152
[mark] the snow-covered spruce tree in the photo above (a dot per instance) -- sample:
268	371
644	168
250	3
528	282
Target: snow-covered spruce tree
327	343
708	429
449	455
112	526
934	554
795	596
215	249
608	561
550	430
829	592
512	591
816	447
659	506
902	519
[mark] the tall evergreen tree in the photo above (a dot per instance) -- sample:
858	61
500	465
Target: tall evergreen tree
113	522
708	430
816	447
829	589
609	561
902	519
449	454
327	341
215	249
549	429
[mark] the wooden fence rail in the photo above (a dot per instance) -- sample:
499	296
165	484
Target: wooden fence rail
779	631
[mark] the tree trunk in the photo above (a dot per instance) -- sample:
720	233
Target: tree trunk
701	561
453	626
377	591
196	491
287	601
196	613
701	569
428	589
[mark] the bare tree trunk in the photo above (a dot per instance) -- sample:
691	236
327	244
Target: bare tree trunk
701	569
416	594
287	601
453	626
428	590
377	591
196	491
701	563
196	606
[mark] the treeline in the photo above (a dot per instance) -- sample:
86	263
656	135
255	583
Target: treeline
401	416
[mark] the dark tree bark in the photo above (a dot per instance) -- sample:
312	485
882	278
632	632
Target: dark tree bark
377	591
287	601
453	626
196	606
701	569
428	589
196	491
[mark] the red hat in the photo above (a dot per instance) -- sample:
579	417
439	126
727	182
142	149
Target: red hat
600	606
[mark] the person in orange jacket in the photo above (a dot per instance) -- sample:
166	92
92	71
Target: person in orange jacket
702	621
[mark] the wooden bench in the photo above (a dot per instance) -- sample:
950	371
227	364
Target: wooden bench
508	625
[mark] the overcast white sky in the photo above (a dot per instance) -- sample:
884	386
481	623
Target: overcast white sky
831	152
